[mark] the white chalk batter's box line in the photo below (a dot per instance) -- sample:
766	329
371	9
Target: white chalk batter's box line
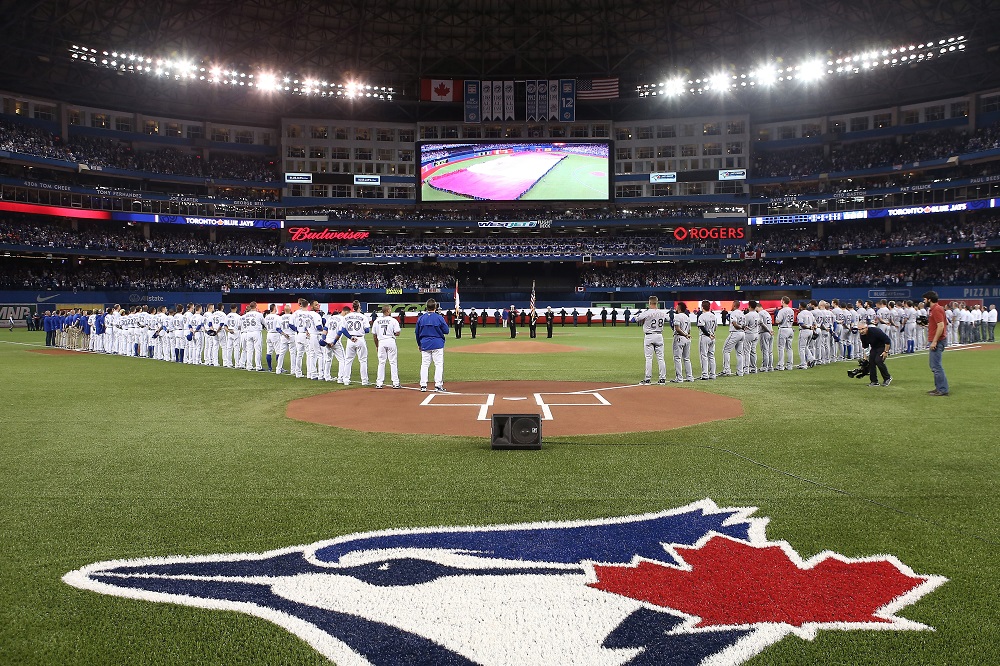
484	407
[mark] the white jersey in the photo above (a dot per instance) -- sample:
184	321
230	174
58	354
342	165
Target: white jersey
652	321
234	322
707	323
272	322
766	325
197	322
179	324
386	329
736	320
751	323
300	320
356	324
824	319
806	319
850	319
285	325
785	317
218	320
334	325
311	322
253	321
884	316
682	324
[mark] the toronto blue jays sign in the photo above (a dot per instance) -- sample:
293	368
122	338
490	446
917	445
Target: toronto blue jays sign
695	585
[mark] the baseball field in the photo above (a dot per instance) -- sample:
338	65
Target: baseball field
529	176
107	458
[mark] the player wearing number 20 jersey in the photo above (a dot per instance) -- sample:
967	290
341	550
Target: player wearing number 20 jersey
652	320
355	327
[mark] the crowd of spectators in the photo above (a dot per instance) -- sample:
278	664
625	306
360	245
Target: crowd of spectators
906	232
121	276
859	155
85	276
112	153
521	214
166	239
835	272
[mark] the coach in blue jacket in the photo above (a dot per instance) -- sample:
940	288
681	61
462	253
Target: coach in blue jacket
431	331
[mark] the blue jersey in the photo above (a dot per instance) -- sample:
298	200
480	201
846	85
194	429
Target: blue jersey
431	331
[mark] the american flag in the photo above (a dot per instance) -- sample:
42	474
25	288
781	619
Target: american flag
531	304
597	88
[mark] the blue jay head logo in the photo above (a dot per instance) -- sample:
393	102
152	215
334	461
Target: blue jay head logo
673	587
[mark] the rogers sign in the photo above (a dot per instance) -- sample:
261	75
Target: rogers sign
707	233
299	234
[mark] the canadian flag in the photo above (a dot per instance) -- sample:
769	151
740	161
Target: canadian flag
441	90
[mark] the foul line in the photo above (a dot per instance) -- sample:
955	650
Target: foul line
29	344
925	352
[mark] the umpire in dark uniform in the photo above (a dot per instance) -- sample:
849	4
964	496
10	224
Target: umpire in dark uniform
473	322
880	344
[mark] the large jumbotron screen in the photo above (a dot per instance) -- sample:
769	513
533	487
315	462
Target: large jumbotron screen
515	171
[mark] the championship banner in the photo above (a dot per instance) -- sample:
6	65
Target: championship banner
472	110
567	100
487	100
552	113
508	100
498	100
543	101
530	100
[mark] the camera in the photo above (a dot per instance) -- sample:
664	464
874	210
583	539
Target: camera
861	371
922	320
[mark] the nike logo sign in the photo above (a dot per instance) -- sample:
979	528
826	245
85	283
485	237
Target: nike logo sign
39	299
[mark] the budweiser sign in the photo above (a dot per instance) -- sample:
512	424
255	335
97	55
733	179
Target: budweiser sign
299	234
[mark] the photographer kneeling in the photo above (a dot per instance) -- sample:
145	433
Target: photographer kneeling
878	341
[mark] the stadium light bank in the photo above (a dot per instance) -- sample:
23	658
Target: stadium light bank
190	70
811	70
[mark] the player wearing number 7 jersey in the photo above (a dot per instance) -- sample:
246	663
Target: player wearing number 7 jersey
386	330
652	320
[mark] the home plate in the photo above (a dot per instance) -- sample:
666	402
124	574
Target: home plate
515	398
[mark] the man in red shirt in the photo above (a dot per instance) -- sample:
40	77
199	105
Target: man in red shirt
936	326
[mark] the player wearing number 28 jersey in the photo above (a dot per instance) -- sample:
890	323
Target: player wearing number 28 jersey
652	320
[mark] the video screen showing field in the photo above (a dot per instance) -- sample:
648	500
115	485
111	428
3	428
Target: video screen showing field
538	171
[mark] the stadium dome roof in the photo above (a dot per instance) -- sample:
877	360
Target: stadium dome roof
398	42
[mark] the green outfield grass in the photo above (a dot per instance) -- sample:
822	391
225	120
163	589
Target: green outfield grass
110	458
574	177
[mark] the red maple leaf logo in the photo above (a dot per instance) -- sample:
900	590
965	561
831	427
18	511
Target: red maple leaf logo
441	90
729	582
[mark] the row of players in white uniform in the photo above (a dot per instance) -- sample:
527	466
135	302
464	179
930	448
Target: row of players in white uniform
197	337
828	333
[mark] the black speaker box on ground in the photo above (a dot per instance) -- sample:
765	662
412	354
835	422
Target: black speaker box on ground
516	431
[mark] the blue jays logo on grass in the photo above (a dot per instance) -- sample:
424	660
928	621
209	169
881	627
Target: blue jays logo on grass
695	585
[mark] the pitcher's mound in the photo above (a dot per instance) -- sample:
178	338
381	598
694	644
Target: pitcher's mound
515	347
566	408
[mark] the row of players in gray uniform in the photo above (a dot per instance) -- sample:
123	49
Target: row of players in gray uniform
312	339
827	333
